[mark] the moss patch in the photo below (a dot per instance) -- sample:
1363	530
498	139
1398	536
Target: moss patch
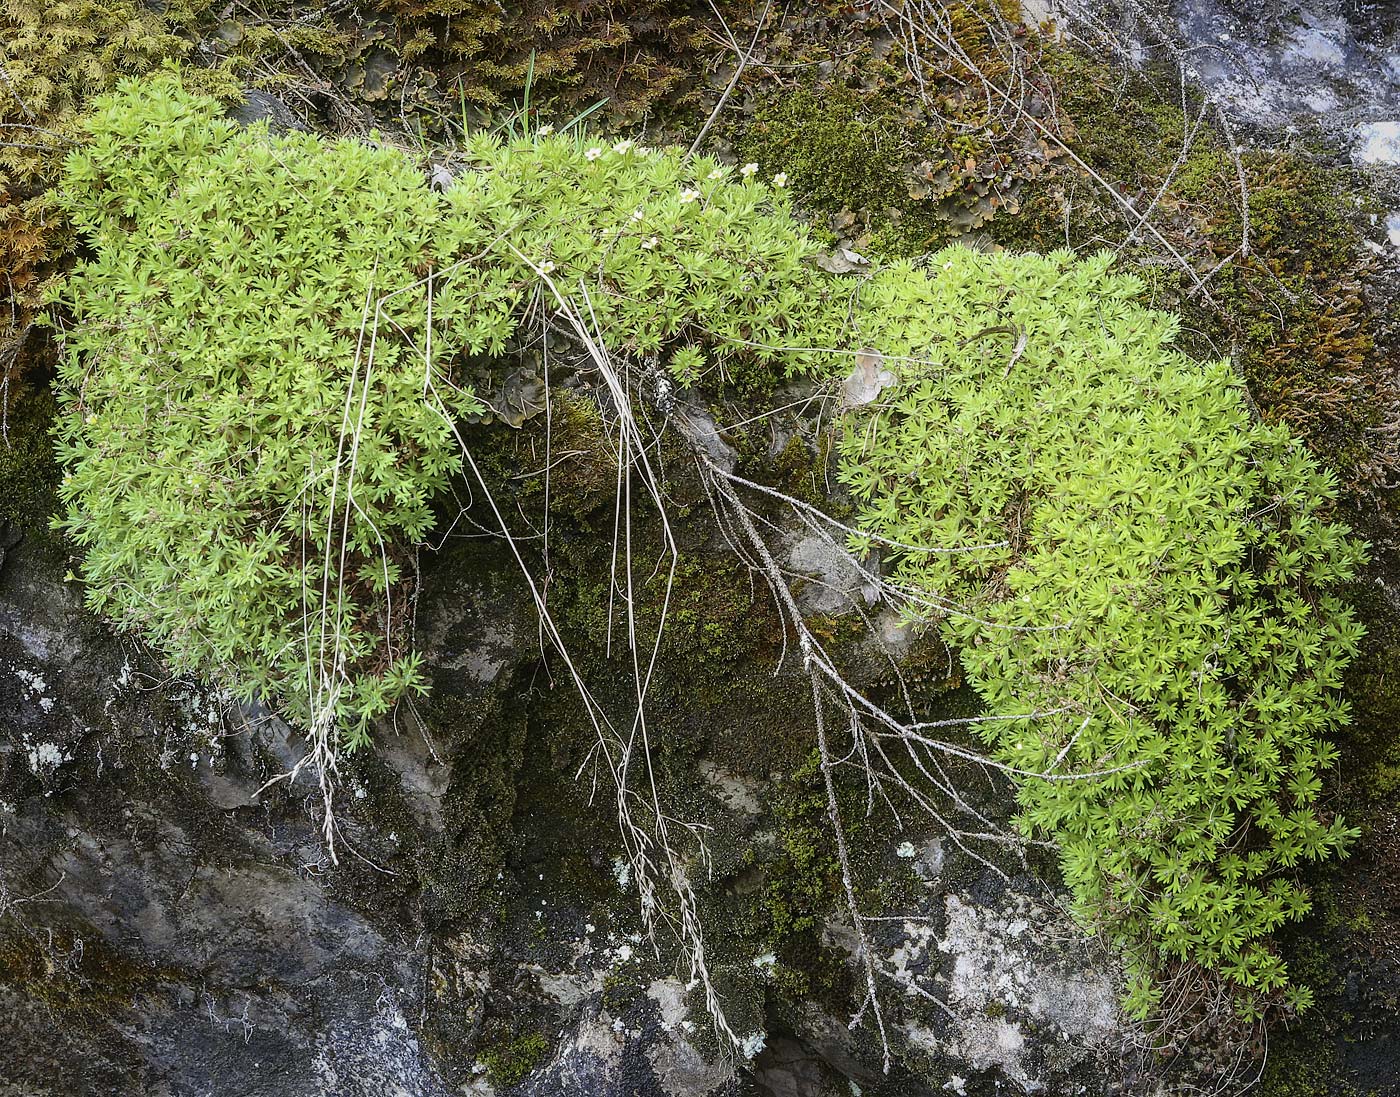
28	475
509	1063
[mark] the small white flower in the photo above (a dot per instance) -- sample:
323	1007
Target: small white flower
688	195
91	418
780	180
624	146
547	266
649	243
546	129
718	173
637	214
645	150
593	153
749	169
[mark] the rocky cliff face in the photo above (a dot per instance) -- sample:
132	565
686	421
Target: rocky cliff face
171	921
171	925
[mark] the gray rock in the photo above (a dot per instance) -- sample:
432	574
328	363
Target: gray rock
836	581
172	925
259	106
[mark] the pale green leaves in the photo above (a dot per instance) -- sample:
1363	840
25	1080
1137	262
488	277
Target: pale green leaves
1182	551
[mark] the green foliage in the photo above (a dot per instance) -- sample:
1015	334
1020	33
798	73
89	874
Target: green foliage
248	458
249	416
690	256
60	53
1157	610
56	54
251	352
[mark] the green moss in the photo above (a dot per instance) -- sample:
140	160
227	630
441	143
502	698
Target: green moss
29	476
620	992
72	971
58	54
804	884
837	153
1373	685
896	185
460	868
509	1064
1302	1072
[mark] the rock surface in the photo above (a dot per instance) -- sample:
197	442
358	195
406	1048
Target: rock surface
170	926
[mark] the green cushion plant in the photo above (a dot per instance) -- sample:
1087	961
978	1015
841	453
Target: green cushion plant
1164	597
220	353
251	455
258	406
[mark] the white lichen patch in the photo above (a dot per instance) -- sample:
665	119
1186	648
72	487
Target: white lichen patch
929	863
735	792
1023	995
766	963
45	757
36	689
204	712
1378	143
568	988
121	685
669	996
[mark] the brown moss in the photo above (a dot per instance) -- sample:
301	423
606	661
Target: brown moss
899	165
72	971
